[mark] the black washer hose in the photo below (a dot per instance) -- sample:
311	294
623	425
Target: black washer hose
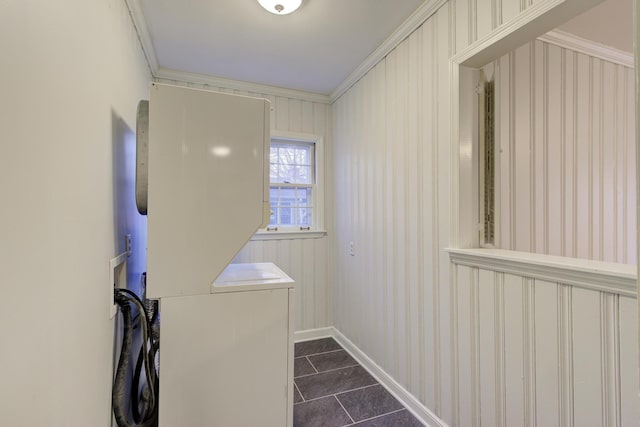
119	385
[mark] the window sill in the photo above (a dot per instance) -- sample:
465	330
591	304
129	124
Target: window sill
288	235
598	275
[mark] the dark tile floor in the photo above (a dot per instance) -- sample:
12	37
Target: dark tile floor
333	390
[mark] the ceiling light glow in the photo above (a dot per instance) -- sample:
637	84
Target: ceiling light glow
280	7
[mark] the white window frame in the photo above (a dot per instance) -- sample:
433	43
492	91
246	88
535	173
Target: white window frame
317	228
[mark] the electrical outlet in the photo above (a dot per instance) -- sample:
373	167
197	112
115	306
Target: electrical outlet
127	244
117	279
352	249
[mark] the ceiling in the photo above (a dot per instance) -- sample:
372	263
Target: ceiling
610	24
313	49
316	48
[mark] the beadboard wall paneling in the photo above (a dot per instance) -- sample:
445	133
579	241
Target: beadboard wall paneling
391	157
475	19
305	260
471	353
566	354
566	134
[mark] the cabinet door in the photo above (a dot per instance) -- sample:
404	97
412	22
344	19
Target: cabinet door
224	359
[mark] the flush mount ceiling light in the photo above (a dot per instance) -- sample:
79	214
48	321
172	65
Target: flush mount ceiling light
280	7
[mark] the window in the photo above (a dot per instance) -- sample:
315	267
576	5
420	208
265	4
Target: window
294	184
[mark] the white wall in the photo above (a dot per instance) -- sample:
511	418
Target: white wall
72	74
305	260
392	171
567	169
403	303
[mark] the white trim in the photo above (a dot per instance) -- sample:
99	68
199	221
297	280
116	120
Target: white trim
409	401
415	20
597	275
535	20
314	334
288	235
140	24
636	54
588	47
205	79
318	187
291	356
158	72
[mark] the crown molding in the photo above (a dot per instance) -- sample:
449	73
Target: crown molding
140	24
588	47
417	18
159	72
205	79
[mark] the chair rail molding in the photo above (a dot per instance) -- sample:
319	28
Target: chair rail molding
602	276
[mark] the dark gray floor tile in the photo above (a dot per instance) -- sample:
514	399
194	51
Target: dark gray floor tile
301	366
325	412
397	419
326	383
297	398
316	346
333	360
368	402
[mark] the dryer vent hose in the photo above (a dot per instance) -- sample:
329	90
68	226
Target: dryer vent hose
144	403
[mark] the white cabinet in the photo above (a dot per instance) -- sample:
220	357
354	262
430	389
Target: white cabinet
226	359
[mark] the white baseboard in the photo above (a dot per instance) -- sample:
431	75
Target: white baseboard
313	334
412	404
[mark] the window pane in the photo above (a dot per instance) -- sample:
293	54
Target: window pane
302	174
287	197
291	206
303	196
305	217
286	155
303	156
273	173
273	195
291	162
286	173
284	216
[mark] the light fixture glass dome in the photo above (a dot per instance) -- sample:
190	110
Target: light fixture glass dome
280	7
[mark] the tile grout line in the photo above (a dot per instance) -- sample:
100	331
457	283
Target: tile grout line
312	365
336	394
299	392
328	370
344	409
317	354
380	416
356	389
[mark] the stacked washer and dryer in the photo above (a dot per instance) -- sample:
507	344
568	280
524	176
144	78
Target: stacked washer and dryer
226	330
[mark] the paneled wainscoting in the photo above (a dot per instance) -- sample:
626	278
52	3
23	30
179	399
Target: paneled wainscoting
542	340
536	340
